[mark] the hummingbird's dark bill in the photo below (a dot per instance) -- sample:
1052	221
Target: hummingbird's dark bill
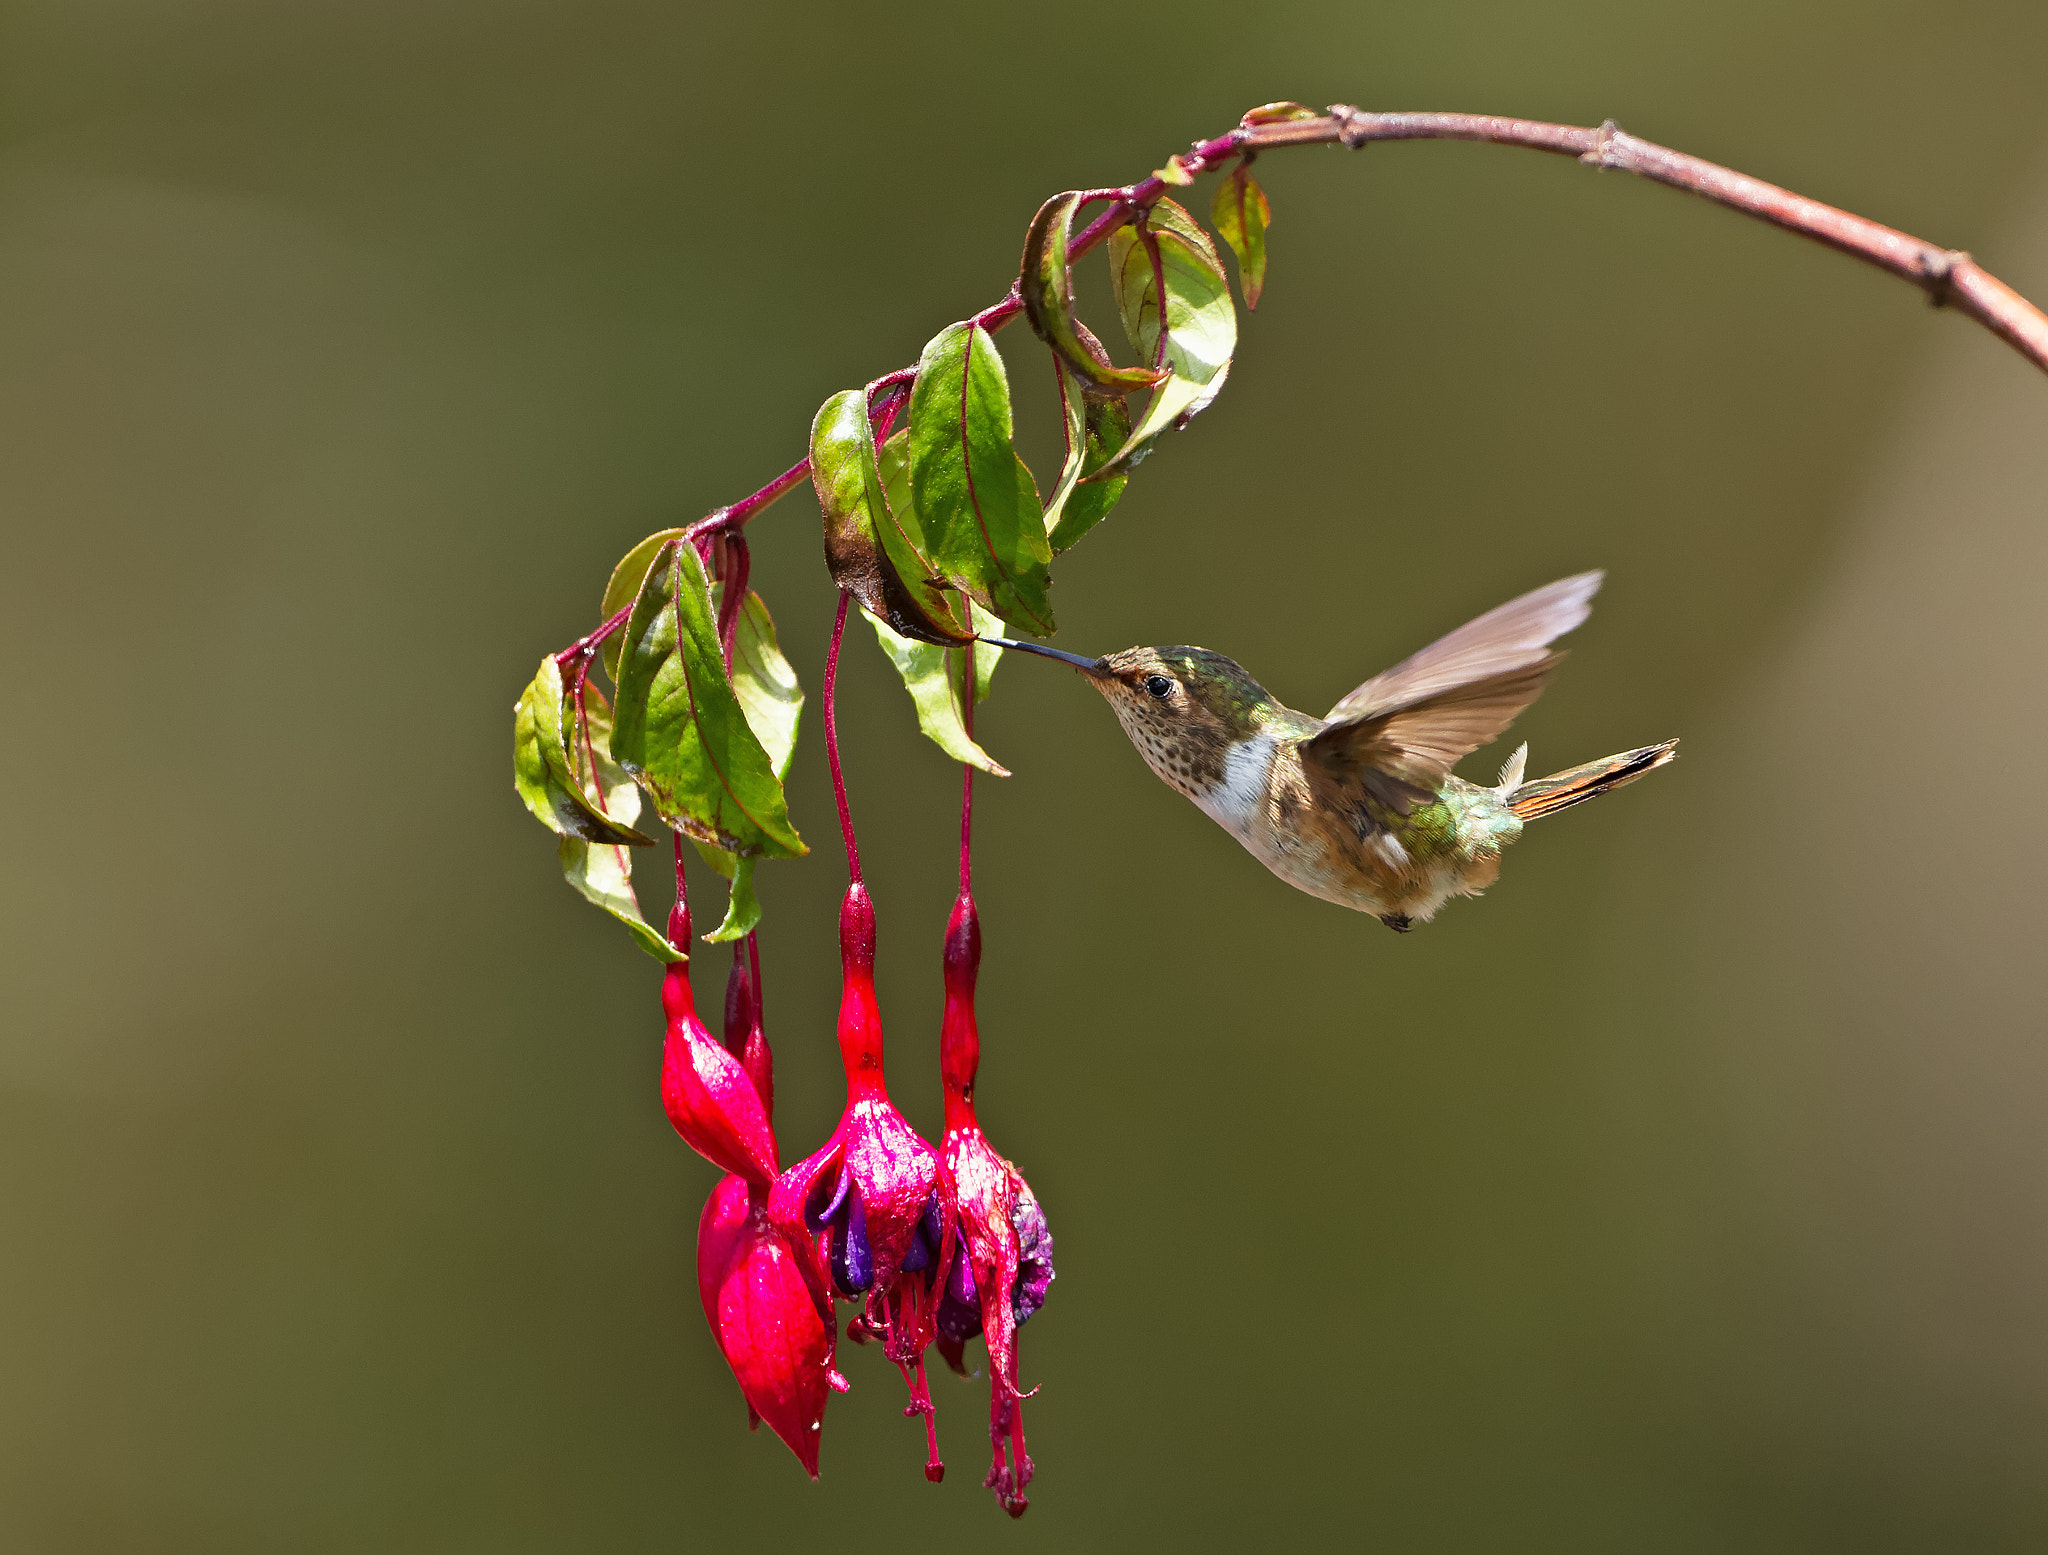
1092	666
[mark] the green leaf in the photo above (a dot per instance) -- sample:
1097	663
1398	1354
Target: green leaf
773	703
1241	215
876	553
680	728
1201	322
1097	426
624	588
604	874
978	503
742	907
932	676
542	767
766	685
1047	287
1178	401
986	655
892	464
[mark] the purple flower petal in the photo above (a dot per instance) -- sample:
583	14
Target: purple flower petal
853	1261
960	1279
817	1217
924	1241
1034	1255
959	1321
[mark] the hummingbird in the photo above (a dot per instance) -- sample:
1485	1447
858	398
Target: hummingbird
1361	807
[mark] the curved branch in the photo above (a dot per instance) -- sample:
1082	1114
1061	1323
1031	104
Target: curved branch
1950	277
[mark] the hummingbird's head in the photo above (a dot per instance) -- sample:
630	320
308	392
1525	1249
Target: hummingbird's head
1184	708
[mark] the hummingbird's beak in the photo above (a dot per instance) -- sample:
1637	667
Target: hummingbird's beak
1085	666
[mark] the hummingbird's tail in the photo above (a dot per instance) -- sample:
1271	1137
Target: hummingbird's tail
1562	790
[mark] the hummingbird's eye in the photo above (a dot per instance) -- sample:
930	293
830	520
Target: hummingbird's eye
1159	686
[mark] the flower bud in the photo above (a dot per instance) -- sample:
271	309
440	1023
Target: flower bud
707	1094
745	1037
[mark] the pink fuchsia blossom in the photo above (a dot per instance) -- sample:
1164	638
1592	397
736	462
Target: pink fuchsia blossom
1003	1263
870	1215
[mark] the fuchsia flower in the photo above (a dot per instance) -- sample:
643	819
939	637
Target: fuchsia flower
1003	1264
721	1098
871	1215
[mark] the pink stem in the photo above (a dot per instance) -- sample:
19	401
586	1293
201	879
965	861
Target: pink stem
897	382
1151	242
882	416
734	566
583	647
679	915
967	767
832	741
740	513
731	518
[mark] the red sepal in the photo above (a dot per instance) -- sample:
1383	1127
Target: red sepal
707	1094
759	1308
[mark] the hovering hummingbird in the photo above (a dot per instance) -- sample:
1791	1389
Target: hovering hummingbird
1361	808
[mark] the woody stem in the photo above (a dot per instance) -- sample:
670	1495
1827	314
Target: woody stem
1950	277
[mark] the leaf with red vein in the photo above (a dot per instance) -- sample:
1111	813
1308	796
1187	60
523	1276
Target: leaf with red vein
977	501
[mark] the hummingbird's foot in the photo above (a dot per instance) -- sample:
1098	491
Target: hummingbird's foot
1399	922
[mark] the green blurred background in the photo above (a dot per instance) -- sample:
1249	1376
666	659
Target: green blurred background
1689	1193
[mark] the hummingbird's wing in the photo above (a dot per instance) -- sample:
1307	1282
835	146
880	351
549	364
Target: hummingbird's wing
1402	756
1512	637
1401	732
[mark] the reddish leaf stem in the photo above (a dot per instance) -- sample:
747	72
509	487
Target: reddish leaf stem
1151	241
898	382
733	519
733	569
882	414
832	741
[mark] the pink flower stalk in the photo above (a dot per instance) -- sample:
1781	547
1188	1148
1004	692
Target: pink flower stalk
755	1295
871	1215
999	1274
